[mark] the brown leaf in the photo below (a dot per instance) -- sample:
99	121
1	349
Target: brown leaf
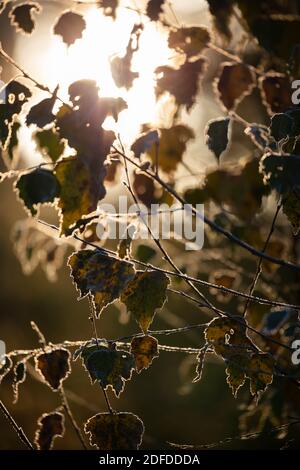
54	366
154	9
22	16
50	426
234	83
276	92
182	83
70	27
144	349
117	431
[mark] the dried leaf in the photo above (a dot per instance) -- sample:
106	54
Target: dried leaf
236	376
182	83
154	9
190	41
281	172
16	96
221	12
234	83
19	377
276	92
22	16
217	135
41	113
54	366
144	349
282	126
50	426
261	375
100	275
144	295
78	195
117	431
70	27
110	367
37	187
121	67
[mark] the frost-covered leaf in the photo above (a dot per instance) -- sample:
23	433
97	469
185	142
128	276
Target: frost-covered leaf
50	144
190	41
50	426
282	126
234	83
144	295
100	275
276	92
70	27
281	172
78	194
261	373
16	96
19	377
144	349
117	431
236	376
182	83
217	135
54	366
5	367
22	16
37	187
109	366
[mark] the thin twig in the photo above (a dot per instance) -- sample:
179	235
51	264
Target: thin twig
17	428
69	413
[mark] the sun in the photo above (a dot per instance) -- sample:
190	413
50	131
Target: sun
90	58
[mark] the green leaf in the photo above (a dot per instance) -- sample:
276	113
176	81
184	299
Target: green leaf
217	135
16	96
37	187
110	367
145	253
70	27
182	83
281	172
100	275
172	146
117	431
144	349
144	295
79	193
50	426
22	16
190	41
50	144
234	83
54	366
